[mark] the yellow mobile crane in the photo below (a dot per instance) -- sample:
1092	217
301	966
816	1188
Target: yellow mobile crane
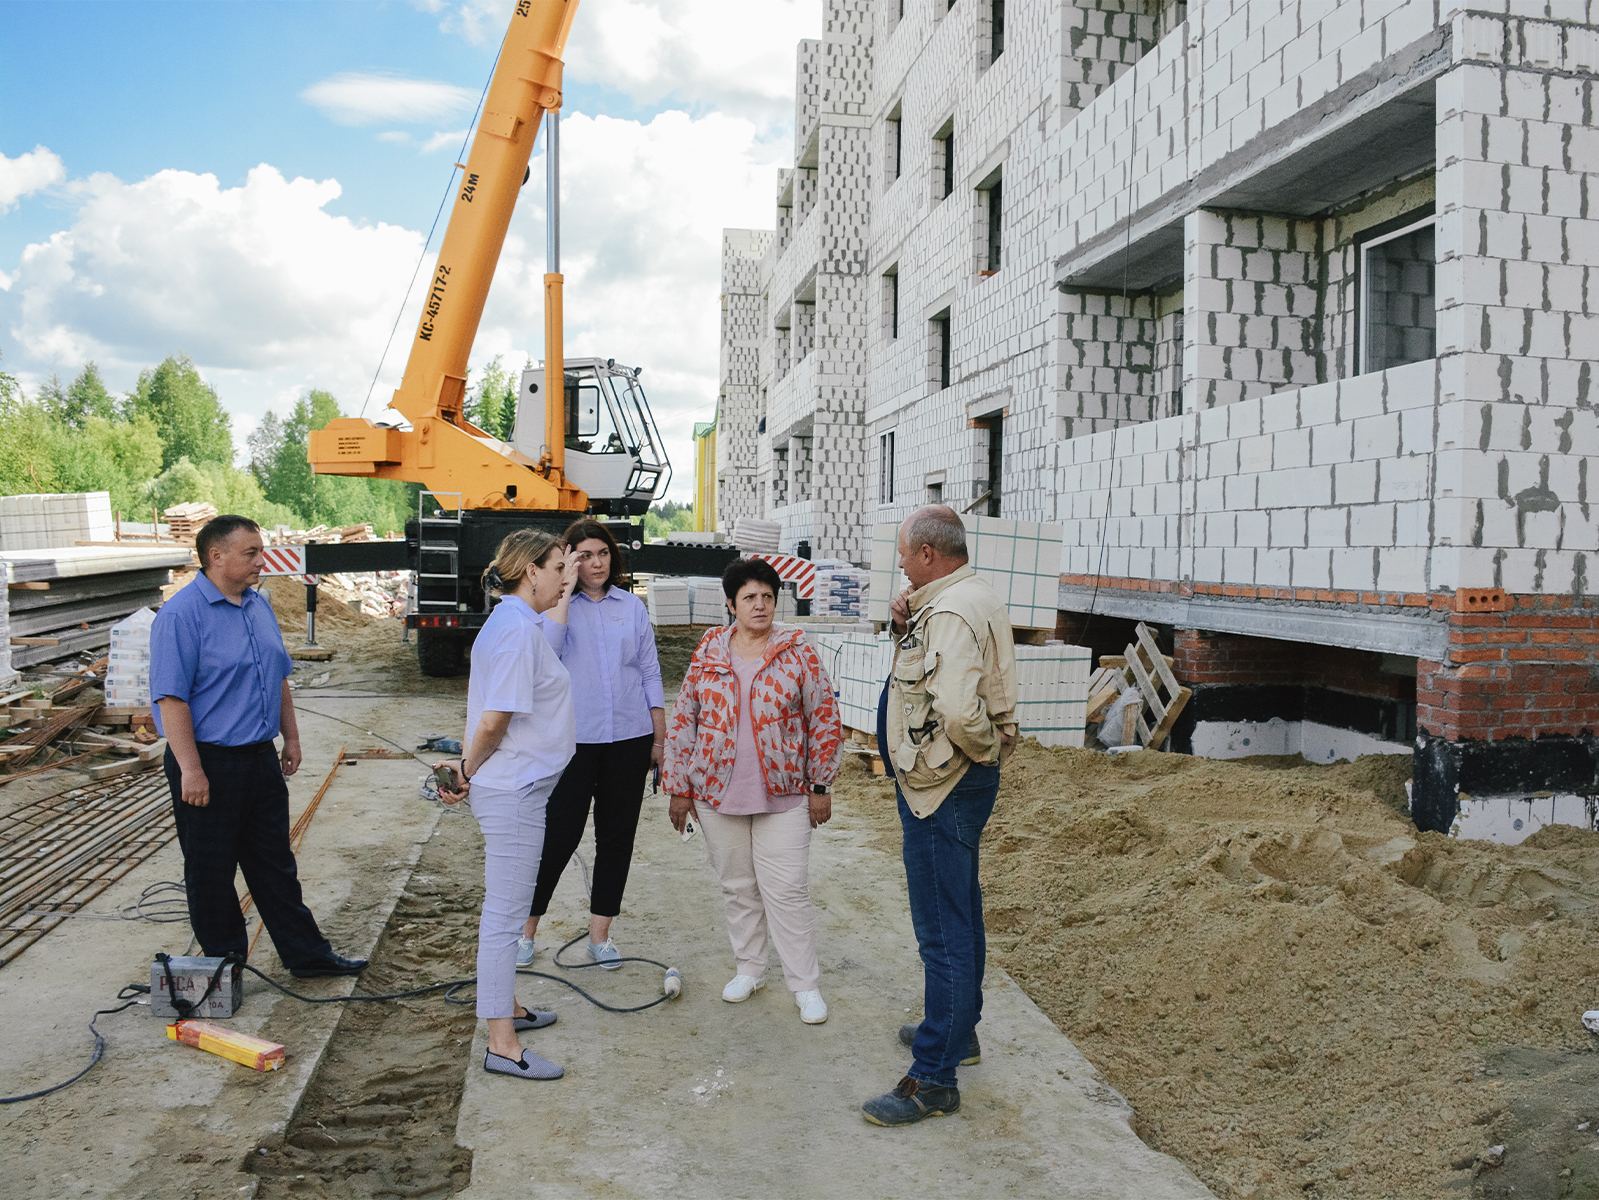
596	450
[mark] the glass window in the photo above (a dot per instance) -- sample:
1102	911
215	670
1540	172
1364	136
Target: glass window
1398	306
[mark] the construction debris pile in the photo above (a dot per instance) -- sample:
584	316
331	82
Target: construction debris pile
375	593
46	732
282	535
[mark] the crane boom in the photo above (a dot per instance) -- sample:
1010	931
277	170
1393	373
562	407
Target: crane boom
443	449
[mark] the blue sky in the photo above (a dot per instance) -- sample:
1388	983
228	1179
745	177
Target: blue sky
250	183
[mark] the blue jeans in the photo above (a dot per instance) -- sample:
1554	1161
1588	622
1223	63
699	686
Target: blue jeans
947	910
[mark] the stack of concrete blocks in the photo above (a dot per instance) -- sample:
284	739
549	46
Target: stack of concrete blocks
23	525
1020	560
1052	684
42	521
858	665
1052	692
79	516
7	675
707	602
668	601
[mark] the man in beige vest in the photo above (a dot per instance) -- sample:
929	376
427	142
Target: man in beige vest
949	715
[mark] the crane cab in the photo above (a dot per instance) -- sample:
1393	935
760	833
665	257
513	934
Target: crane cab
614	451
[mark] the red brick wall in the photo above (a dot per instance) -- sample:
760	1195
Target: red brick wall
1525	672
1229	658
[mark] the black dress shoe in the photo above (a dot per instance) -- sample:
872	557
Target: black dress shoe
329	964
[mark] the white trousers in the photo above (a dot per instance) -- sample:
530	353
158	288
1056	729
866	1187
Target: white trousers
513	841
763	862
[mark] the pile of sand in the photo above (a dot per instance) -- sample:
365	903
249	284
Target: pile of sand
1300	994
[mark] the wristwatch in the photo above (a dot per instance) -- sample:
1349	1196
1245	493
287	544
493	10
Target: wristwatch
820	789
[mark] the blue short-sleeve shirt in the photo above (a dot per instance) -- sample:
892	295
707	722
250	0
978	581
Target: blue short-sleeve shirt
225	660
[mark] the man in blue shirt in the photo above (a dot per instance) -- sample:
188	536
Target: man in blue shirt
219	680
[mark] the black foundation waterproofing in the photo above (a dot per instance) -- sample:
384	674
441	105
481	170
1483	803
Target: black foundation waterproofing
1444	769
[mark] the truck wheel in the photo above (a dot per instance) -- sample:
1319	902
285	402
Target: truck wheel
437	654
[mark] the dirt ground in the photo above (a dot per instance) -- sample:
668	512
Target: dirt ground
1299	993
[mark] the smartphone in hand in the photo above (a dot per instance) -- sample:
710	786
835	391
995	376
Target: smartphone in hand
444	777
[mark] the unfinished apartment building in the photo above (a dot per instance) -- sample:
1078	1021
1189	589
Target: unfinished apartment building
1280	308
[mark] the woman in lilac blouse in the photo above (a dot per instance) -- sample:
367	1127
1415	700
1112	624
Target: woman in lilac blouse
603	636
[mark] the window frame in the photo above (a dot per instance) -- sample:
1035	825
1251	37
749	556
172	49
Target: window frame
1368	241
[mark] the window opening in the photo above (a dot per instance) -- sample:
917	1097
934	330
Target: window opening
996	207
885	476
1397	321
895	144
944	161
941	347
891	299
996	459
996	30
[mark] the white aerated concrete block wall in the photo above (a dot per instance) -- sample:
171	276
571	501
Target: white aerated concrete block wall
1020	560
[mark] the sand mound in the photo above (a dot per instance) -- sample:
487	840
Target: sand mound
1288	981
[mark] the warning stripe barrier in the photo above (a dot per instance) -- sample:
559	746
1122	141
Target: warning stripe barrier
284	560
799	571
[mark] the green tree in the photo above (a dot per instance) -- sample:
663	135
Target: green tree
668	517
492	405
85	398
186	410
278	462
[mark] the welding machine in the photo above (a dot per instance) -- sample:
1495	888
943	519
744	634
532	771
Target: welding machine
190	979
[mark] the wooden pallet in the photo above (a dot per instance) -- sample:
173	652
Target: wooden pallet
1143	666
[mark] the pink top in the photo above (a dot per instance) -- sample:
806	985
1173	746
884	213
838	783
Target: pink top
746	789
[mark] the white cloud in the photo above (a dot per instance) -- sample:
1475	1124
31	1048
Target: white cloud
736	56
444	141
28	173
715	54
271	295
258	283
354	98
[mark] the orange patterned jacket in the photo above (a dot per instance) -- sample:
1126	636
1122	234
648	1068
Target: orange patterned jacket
794	719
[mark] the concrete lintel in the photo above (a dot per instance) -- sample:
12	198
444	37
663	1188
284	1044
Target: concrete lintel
1317	158
848	120
1384	633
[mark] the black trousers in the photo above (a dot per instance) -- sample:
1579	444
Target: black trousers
245	827
611	774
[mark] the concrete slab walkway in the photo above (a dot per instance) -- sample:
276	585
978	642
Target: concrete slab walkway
698	1097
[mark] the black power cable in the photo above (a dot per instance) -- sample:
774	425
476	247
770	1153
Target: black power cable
449	987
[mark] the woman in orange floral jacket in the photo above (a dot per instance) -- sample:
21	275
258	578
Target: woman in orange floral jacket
752	754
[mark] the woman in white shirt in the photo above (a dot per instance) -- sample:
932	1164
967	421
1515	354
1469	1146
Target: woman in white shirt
520	734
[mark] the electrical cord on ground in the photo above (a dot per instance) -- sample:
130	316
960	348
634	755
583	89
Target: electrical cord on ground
299	708
99	1051
449	987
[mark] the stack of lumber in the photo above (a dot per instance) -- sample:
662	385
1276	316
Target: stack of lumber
1162	699
356	533
186	520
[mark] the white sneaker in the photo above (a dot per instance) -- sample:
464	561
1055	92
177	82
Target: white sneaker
813	1009
741	987
524	952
